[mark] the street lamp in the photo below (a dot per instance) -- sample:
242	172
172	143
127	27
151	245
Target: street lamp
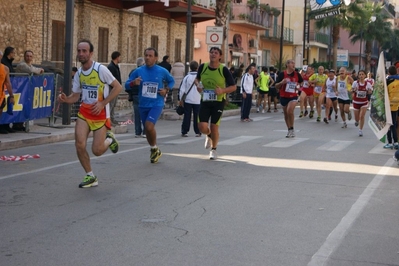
372	19
282	34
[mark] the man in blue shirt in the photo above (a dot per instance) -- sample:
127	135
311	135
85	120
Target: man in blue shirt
151	79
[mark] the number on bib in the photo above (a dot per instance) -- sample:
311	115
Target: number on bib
209	95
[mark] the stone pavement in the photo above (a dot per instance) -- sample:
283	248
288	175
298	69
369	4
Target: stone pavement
42	133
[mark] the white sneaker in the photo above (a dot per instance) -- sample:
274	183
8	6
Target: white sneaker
257	110
208	142
360	133
213	155
263	111
292	133
289	134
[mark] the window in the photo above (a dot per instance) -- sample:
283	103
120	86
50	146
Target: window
57	40
103	34
154	42
178	51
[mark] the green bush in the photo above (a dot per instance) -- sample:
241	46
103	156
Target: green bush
231	106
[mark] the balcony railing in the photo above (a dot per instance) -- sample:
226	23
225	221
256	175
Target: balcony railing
275	33
319	37
253	15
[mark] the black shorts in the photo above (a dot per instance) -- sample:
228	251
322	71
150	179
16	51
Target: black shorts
332	99
3	104
285	101
272	92
344	101
213	110
263	92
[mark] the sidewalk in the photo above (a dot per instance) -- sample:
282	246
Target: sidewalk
41	132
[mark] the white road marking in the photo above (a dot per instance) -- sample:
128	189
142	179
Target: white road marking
336	237
285	143
378	149
238	140
335	145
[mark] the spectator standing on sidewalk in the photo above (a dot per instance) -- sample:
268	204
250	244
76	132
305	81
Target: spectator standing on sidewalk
26	66
5	84
178	71
116	72
247	85
92	81
165	63
6	60
134	98
192	101
393	94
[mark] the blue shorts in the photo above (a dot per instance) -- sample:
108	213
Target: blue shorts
150	114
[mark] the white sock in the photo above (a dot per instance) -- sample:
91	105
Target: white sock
90	173
108	141
154	147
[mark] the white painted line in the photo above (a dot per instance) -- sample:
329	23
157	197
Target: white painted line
184	140
378	149
72	162
238	140
336	237
260	118
335	145
234	117
285	143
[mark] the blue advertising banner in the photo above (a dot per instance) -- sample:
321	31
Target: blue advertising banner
33	97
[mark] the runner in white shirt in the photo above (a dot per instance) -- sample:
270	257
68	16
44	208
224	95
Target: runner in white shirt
330	88
343	95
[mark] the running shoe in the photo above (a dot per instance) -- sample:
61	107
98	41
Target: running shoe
301	114
395	146
395	159
388	146
137	136
268	110
325	120
311	114
306	113
184	135
344	125
208	142
329	117
213	155
292	133
257	110
155	155
336	118
114	146
198	135
89	181
349	115
356	123
318	119
360	133
289	134
263	111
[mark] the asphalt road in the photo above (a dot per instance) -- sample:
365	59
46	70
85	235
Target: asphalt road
326	197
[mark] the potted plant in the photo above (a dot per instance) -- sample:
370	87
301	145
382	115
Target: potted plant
252	4
275	12
265	8
242	16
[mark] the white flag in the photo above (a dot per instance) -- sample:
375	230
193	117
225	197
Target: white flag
380	111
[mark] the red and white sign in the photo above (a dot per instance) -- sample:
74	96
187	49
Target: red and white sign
214	35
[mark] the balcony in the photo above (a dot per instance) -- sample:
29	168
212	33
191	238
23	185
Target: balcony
275	34
251	18
319	37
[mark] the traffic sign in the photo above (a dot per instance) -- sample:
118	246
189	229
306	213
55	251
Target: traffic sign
214	35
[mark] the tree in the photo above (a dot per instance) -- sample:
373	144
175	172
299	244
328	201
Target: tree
391	46
338	21
221	13
372	26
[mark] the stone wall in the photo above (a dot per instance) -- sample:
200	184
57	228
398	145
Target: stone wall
27	24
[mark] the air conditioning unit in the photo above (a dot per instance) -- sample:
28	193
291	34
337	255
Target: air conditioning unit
197	43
